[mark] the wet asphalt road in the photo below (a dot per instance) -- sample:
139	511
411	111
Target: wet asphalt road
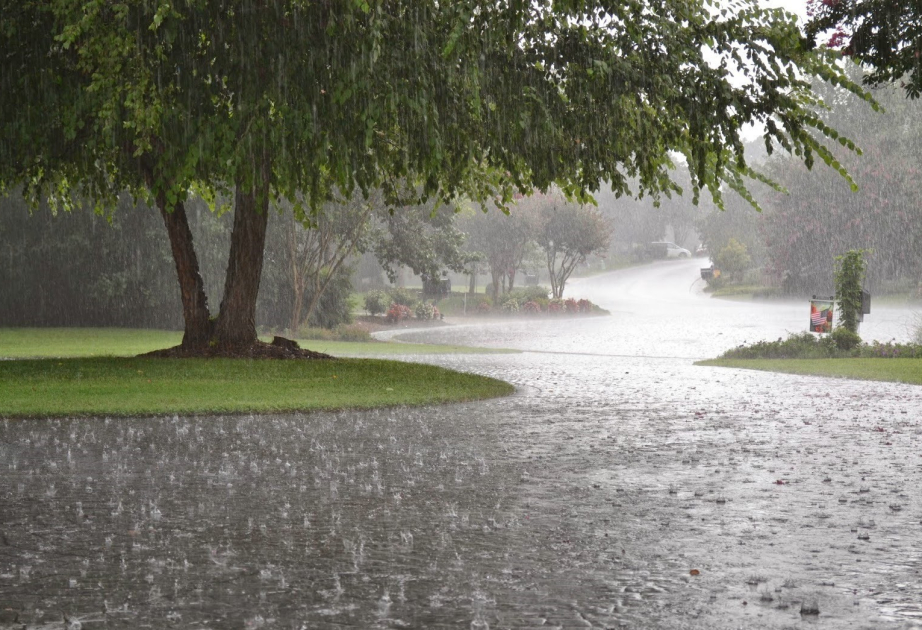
622	487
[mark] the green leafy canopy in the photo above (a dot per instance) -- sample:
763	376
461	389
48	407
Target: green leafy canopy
460	98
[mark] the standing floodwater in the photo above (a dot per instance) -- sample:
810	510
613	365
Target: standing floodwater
622	487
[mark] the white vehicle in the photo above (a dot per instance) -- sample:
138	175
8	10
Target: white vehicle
671	250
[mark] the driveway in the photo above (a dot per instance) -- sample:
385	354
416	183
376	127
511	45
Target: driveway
622	487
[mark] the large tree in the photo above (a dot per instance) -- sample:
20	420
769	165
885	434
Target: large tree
283	97
821	218
501	241
883	34
567	234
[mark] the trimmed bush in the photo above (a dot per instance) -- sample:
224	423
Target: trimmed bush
529	294
399	295
376	302
427	310
733	259
845	339
454	305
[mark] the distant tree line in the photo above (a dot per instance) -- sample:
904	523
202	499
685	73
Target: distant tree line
545	230
84	269
818	217
77	269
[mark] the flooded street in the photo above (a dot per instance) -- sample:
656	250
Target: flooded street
622	487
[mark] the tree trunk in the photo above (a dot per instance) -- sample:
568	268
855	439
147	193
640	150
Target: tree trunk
236	324
198	325
495	274
297	281
552	275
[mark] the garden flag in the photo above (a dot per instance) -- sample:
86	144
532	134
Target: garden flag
821	316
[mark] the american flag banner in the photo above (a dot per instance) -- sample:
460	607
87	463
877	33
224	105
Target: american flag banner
821	315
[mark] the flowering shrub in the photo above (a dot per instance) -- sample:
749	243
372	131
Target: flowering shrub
427	310
511	306
532	308
891	350
555	306
570	305
797	346
397	313
484	307
584	306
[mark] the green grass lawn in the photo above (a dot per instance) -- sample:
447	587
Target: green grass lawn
18	343
897	370
133	386
743	292
95	372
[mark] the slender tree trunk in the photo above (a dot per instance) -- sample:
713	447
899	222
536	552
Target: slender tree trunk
198	325
297	280
496	274
236	324
296	308
321	287
552	275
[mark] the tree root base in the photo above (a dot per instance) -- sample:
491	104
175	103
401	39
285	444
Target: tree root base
280	348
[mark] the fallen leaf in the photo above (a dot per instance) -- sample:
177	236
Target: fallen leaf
695	572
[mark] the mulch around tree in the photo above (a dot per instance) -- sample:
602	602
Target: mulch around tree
280	348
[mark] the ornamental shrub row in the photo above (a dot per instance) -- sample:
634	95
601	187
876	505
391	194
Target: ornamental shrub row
424	310
835	346
510	305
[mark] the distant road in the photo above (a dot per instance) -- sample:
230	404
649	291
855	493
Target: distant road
665	303
661	310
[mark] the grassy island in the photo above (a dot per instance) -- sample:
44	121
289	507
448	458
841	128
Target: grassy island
62	378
